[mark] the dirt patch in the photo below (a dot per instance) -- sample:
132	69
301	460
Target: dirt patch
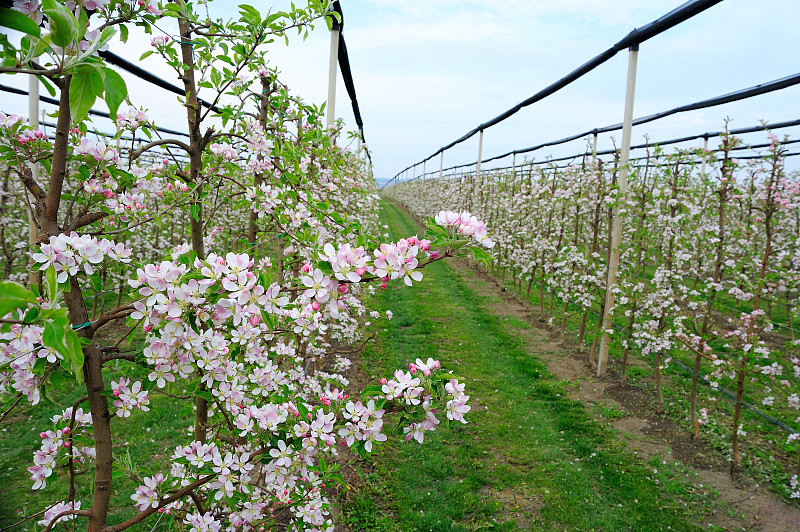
741	505
519	507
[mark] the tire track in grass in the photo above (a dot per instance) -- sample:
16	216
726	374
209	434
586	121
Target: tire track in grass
529	459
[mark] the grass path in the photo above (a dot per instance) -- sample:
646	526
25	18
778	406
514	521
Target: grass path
530	457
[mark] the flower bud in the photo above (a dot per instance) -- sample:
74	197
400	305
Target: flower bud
343	288
315	306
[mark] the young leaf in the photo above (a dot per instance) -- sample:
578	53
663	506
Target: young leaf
63	26
52	282
102	40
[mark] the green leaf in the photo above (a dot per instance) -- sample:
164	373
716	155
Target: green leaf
116	90
123	33
47	85
205	395
55	336
76	354
374	389
86	85
63	26
13	296
97	283
31	315
18	21
52	282
195	212
83	24
250	14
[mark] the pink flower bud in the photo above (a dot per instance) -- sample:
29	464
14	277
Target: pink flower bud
43	435
308	415
360	272
343	288
116	392
315	306
254	320
66	444
411	241
65	430
148	327
383	286
306	268
385	279
383	381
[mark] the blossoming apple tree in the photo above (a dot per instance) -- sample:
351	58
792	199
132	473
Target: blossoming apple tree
248	252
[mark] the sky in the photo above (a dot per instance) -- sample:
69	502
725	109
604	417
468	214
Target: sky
428	71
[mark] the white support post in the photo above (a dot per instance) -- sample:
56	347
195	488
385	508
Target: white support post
705	150
513	166
616	237
414	173
332	77
424	169
594	148
33	119
480	155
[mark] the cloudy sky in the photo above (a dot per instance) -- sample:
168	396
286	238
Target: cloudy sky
428	71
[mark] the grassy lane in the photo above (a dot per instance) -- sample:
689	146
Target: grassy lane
530	458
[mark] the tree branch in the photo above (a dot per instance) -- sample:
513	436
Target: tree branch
83	221
84	513
164	502
115	314
160	142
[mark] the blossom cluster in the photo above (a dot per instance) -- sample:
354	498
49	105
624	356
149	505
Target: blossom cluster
73	252
57	442
467	225
129	397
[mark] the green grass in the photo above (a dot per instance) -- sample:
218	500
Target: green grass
144	440
530	458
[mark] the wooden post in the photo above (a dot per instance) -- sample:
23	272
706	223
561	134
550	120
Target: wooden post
616	237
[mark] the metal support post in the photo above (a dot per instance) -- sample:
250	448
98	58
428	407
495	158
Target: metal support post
705	150
33	119
616	237
332	75
480	155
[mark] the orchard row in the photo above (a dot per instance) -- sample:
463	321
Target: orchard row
709	271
